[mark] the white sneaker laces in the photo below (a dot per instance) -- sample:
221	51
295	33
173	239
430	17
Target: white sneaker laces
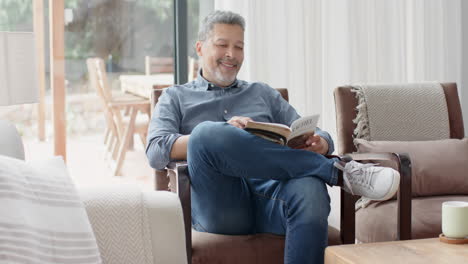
357	174
363	202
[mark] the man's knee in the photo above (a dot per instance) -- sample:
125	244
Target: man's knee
203	132
212	136
206	132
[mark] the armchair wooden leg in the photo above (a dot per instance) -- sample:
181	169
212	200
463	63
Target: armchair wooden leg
161	180
348	217
404	198
183	190
180	183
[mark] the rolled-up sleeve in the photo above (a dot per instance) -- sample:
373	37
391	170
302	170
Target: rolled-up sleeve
327	137
163	130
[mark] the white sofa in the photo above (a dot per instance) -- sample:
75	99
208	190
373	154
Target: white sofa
130	226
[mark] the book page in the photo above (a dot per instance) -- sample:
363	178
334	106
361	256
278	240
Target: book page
268	124
304	125
279	129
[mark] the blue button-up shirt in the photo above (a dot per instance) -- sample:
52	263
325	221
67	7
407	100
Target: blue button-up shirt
182	107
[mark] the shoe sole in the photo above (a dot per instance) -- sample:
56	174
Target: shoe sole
393	189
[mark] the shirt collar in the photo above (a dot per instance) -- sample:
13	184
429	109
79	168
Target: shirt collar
203	84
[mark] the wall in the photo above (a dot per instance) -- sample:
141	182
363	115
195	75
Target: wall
463	89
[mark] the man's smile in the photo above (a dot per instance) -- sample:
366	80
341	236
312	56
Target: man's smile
231	65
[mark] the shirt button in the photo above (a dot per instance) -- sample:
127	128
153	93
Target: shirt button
225	111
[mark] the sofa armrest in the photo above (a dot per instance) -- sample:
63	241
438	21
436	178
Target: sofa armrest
167	226
400	162
132	226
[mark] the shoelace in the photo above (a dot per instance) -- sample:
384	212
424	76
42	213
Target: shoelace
363	202
357	173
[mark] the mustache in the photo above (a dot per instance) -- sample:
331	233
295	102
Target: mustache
228	61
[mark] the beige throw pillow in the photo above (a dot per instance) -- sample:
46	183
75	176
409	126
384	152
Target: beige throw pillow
439	167
42	218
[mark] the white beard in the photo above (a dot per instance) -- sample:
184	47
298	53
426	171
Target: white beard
224	78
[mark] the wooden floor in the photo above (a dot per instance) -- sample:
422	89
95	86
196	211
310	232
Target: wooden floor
87	164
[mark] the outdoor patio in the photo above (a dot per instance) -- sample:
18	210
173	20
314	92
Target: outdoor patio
88	166
86	153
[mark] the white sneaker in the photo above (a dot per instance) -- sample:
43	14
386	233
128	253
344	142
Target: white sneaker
373	182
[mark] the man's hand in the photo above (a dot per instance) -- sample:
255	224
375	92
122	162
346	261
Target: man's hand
316	144
239	121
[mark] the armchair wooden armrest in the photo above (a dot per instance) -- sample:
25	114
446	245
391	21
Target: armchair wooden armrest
400	162
179	182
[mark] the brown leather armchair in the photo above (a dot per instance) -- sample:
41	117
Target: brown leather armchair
259	248
420	217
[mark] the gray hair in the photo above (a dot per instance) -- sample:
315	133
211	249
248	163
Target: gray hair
219	17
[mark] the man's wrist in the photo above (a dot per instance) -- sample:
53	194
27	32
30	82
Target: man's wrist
325	146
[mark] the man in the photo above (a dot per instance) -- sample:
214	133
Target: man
241	183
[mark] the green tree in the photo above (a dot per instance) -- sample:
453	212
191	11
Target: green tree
16	15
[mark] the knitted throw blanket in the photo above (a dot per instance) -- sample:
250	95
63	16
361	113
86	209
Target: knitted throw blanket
120	223
406	112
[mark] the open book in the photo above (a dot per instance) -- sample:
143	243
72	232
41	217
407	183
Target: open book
294	136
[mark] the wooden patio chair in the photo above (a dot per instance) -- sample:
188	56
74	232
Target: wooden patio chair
110	132
120	128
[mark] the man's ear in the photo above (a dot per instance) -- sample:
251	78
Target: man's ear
198	48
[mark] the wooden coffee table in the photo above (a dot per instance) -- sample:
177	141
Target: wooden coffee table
409	251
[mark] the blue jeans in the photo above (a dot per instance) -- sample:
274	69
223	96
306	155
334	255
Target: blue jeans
243	184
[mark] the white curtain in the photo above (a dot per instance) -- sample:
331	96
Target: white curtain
313	46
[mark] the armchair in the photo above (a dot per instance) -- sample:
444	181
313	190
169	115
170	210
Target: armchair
418	216
259	248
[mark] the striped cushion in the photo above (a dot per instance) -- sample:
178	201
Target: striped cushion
42	219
